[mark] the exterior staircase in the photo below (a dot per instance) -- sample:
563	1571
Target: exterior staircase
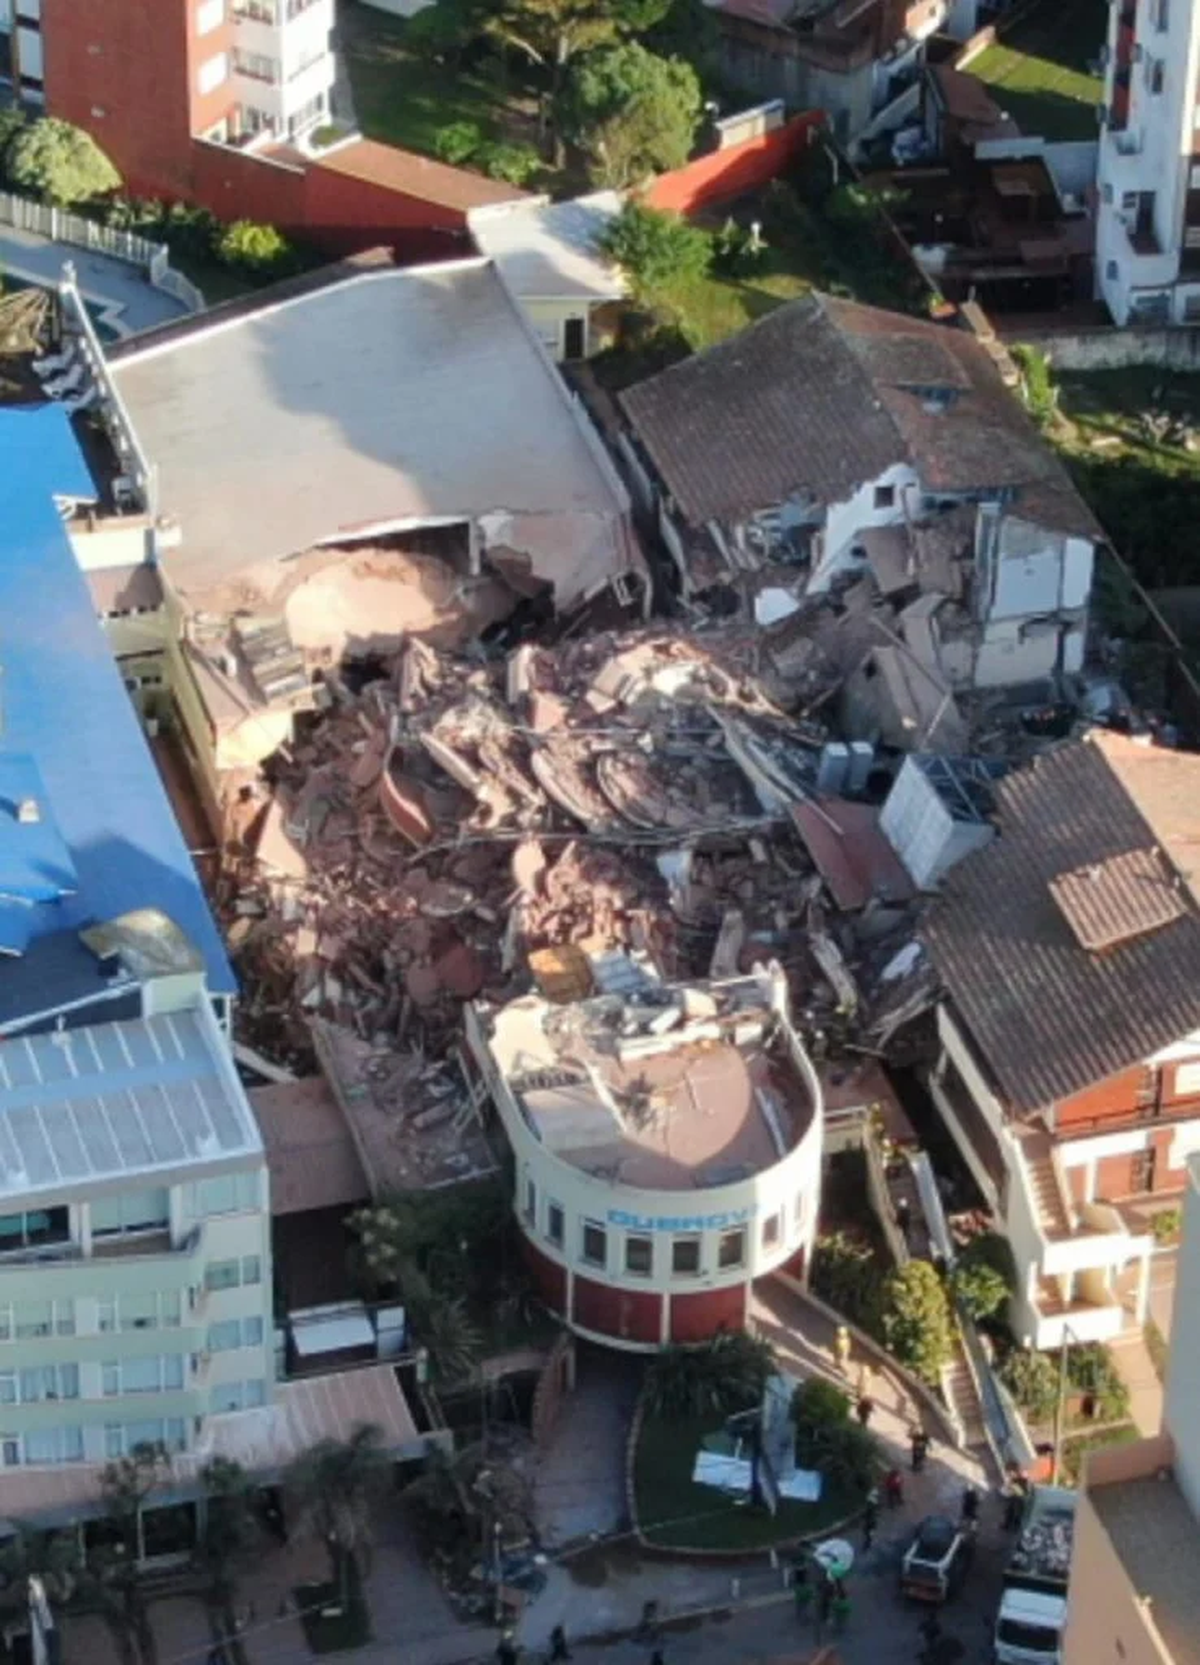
1047	1193
958	1388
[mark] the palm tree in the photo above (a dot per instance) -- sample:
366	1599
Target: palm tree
228	1539
334	1485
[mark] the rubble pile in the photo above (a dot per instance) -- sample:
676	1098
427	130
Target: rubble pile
422	838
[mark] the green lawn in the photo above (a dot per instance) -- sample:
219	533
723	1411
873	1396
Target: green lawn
1040	71
676	1514
403	99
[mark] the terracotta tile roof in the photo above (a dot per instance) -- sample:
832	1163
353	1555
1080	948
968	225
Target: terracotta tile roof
123	589
311	1155
418	176
823	395
1048	1016
1165	786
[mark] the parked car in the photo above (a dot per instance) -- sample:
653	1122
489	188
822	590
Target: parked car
936	1561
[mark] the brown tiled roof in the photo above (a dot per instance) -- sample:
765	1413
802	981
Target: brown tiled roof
1049	1017
122	589
823	395
417	176
964	97
311	1155
1165	786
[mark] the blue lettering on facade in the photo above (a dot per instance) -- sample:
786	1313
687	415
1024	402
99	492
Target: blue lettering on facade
682	1222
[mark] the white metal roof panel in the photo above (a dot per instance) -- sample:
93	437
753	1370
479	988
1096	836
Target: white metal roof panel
117	1100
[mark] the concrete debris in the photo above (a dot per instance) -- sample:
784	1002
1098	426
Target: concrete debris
447	828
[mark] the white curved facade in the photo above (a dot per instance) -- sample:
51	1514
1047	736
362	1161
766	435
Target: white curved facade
636	1266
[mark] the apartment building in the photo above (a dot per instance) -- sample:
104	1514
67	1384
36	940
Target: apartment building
1135	1589
148	80
136	1290
1068	950
1148	208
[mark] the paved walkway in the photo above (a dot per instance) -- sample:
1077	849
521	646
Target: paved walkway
579	1488
1133	1363
121	298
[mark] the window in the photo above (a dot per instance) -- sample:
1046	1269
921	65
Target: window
24	1320
798	1216
33	1229
574	337
1156	73
306	116
238	1396
1160	15
531	1202
685	1256
731	1249
48	1381
159	1374
639	1256
771	1231
132	1211
210	14
595	1243
229	1333
256	65
233	1274
554	1224
54	1445
231	1194
212	72
260	10
159	1309
885	497
120	1438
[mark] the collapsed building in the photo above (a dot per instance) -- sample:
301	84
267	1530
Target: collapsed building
834	459
313	475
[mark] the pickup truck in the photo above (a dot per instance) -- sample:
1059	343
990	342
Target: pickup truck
1033	1606
936	1561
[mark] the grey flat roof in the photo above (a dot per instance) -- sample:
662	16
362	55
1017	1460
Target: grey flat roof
115	1101
1155	1536
549	250
392	397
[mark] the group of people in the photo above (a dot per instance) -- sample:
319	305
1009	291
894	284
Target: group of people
820	1595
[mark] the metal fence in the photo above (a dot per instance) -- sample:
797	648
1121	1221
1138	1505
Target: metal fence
61	226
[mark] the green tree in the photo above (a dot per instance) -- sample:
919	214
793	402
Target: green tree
126	1486
916	1319
978	1288
688	29
653	248
1032	1379
552	34
59	163
259	249
457	142
335	1485
634	114
846	1275
514	164
725	1375
818	1403
11	123
228	1540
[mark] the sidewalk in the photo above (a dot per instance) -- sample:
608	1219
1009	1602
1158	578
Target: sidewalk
120	296
1135	1367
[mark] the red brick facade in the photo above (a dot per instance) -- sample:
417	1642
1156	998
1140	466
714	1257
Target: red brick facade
635	1316
121	69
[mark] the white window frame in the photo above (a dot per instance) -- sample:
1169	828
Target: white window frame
213	73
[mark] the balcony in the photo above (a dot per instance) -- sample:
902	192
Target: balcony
60	1260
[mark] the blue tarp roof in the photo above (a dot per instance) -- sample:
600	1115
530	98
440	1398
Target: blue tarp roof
63	704
35	864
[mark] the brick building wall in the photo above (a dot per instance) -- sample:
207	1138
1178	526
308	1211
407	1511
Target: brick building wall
121	72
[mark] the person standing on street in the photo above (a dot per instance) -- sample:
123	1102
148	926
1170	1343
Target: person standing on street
919	1442
558	1645
865	1409
893	1488
506	1650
